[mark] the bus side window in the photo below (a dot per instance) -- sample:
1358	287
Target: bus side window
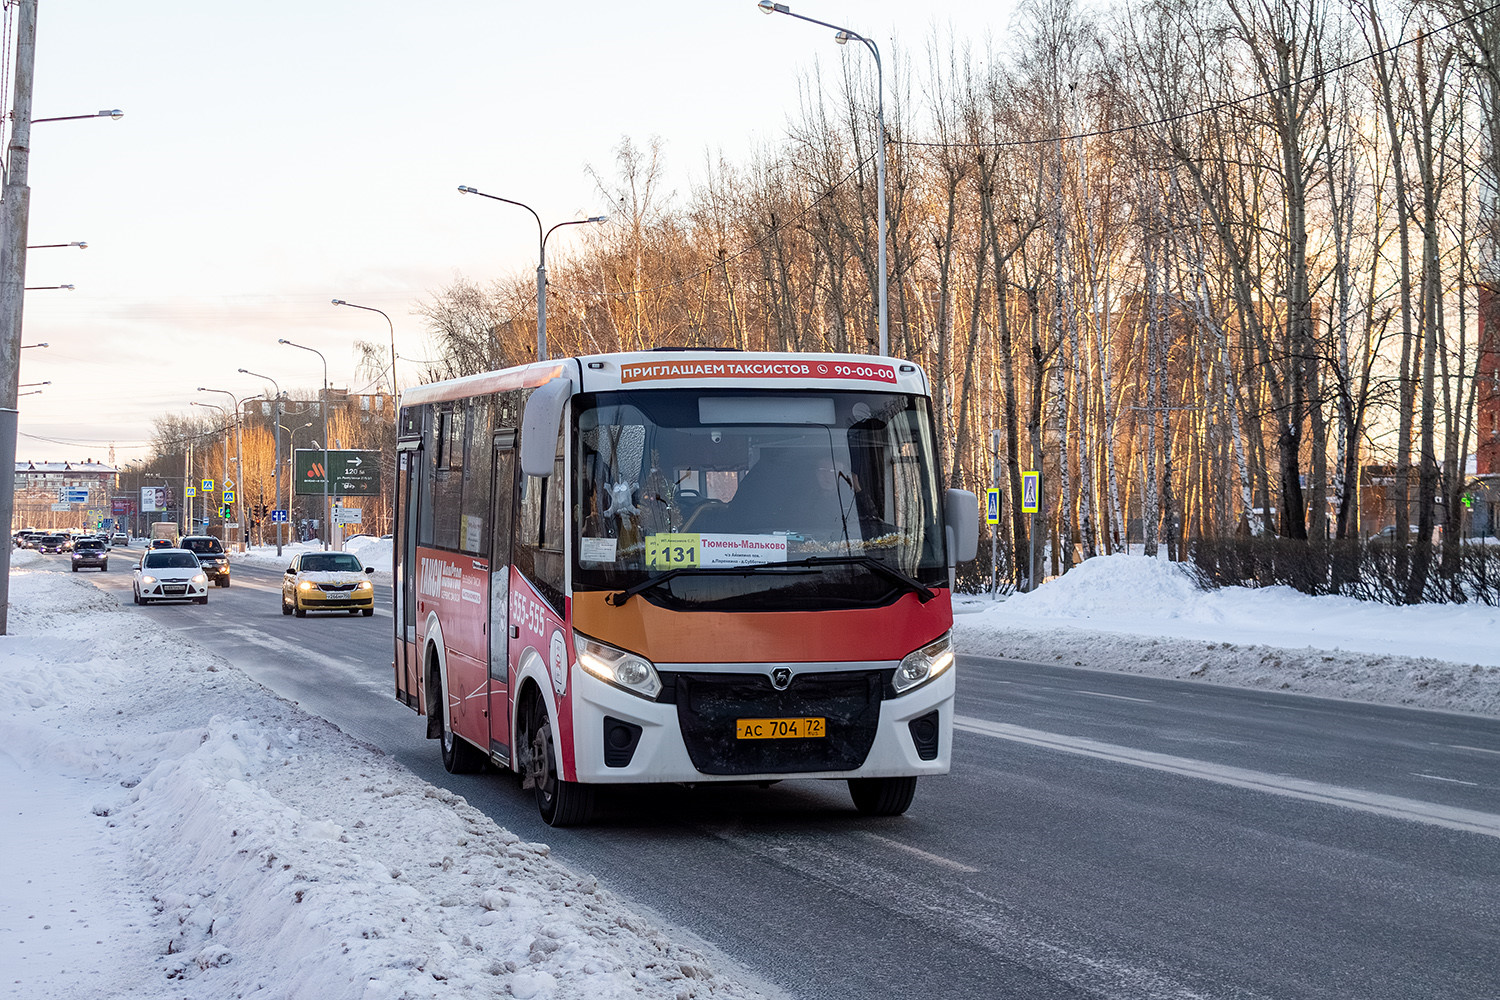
539	530
425	471
475	513
448	480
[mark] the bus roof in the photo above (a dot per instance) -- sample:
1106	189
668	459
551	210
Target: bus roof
707	369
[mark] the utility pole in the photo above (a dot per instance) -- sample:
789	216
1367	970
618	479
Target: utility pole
16	209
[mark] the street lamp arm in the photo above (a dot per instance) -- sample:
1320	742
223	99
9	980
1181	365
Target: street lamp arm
355	305
571	222
780	8
541	239
114	113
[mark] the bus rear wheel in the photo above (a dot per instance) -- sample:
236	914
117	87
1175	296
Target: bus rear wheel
561	803
459	756
882	796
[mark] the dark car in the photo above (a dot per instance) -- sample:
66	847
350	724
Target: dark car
162	543
210	552
52	543
90	552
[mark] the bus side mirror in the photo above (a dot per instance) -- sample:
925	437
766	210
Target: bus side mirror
540	422
961	510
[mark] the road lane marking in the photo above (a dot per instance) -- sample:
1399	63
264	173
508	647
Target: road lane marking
1118	697
1449	817
1460	746
936	859
1439	777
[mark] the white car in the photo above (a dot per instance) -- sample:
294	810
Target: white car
170	575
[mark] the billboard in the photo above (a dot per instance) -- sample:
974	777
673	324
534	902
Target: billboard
349	473
155	499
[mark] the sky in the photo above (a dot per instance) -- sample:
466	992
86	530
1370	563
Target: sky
275	156
195	845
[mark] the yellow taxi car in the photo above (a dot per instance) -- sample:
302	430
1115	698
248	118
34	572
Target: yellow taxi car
327	581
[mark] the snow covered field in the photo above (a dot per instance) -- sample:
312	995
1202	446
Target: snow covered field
174	830
1146	616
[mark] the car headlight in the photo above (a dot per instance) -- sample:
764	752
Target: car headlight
200	578
626	670
364	585
922	665
306	585
148	581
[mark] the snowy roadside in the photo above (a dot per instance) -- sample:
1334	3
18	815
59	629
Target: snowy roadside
1144	616
175	830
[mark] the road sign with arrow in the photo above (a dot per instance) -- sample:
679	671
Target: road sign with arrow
348	473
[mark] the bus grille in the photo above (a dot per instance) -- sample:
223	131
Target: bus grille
709	704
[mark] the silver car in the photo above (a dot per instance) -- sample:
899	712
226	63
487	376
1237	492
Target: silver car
169	575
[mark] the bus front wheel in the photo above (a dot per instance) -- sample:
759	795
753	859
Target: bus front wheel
561	803
882	796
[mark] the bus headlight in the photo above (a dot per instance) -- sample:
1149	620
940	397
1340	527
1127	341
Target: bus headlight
626	670
924	664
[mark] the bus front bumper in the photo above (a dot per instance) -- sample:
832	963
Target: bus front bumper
694	735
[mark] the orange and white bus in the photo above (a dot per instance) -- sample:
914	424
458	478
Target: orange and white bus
680	566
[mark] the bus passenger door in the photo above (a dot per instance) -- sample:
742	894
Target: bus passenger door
502	495
408	472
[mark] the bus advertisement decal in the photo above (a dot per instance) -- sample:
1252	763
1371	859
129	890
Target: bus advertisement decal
862	370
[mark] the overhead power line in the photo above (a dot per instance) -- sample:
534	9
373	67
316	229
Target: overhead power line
1012	143
1208	109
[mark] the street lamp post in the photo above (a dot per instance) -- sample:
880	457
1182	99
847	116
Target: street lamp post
541	267
15	210
291	448
327	513
843	37
351	305
227	418
276	436
239	461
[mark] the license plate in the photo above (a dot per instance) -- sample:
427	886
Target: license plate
779	729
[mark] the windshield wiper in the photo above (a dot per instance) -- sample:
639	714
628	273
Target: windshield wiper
924	593
620	597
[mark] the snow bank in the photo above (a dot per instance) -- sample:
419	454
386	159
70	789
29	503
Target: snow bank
1140	615
371	551
172	829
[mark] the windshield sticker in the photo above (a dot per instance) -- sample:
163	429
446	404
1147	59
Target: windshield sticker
598	550
679	551
758	369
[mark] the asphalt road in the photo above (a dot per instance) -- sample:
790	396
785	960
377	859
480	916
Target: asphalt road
1101	835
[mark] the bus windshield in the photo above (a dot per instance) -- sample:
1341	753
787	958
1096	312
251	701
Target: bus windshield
766	501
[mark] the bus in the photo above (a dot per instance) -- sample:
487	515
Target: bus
682	566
